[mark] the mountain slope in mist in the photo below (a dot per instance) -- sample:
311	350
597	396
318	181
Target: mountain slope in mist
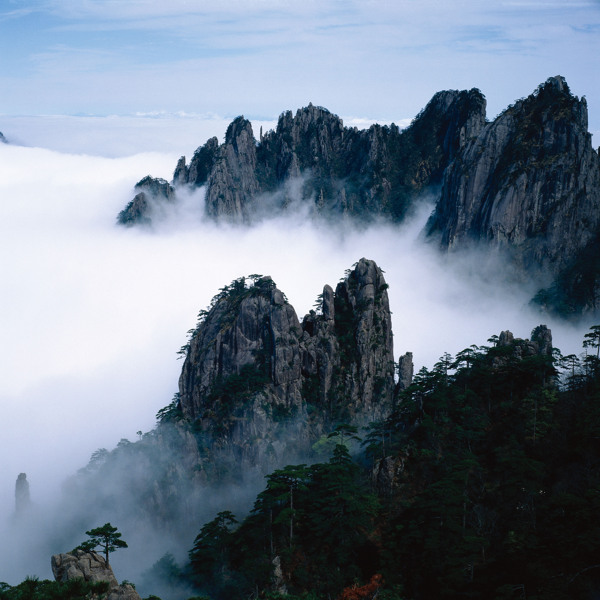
336	169
257	390
527	183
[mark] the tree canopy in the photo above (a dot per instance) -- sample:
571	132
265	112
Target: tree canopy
106	537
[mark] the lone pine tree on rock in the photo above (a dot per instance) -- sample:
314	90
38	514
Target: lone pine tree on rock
107	537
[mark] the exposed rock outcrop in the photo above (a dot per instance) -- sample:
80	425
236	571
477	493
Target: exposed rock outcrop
257	389
540	343
348	350
91	567
406	369
528	184
252	372
232	183
152	193
22	499
3	140
241	378
313	160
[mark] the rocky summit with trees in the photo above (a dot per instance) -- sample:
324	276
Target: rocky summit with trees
299	459
480	479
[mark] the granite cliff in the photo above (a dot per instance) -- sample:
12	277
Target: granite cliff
258	388
264	384
526	184
311	158
529	185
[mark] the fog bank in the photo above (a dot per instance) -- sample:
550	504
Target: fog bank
93	314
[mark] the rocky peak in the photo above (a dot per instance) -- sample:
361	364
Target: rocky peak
406	369
311	158
540	344
90	567
202	163
232	183
22	499
348	350
250	331
152	194
238	131
257	390
252	369
3	140
528	183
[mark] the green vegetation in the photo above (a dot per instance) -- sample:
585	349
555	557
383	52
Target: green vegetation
314	518
107	537
486	485
34	589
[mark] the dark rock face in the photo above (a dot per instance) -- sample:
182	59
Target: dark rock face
22	499
526	184
406	369
151	193
241	378
257	389
338	366
348	359
312	159
91	567
3	140
529	184
232	182
540	344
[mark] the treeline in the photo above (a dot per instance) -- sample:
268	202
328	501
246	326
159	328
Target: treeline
483	483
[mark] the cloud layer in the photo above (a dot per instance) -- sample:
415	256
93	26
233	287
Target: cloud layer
92	314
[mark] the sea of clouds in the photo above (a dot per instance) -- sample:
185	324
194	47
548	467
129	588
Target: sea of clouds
93	314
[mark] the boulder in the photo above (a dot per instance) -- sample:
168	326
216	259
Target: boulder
92	567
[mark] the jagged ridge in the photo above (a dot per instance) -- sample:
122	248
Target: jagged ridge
257	389
361	173
527	183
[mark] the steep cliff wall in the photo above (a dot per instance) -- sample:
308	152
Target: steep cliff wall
348	349
252	371
257	389
240	381
337	169
529	183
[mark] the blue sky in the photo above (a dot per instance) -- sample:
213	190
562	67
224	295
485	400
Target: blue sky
97	94
379	59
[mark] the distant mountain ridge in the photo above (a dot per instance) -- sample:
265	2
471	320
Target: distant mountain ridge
372	172
526	183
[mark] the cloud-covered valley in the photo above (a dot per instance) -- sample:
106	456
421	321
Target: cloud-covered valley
93	314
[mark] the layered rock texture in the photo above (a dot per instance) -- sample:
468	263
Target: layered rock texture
529	185
258	388
312	160
526	184
151	196
90	567
258	380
